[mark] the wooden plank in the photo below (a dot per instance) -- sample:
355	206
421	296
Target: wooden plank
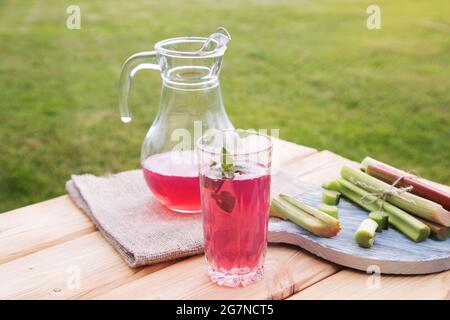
349	284
38	226
319	166
52	273
287	270
285	153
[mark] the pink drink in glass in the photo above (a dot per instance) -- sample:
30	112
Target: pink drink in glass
173	179
235	222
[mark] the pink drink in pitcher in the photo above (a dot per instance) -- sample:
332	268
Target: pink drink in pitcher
173	179
235	222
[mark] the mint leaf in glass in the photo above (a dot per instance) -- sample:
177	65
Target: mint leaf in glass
225	201
227	165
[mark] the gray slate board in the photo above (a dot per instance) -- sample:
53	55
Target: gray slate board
392	252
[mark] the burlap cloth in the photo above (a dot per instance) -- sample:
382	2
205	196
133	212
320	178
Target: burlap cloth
134	222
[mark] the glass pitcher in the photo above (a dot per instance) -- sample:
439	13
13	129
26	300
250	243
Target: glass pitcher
191	103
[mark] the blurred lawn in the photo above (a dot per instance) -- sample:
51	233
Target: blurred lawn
310	68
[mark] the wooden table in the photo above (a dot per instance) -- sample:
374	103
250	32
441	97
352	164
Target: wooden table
46	247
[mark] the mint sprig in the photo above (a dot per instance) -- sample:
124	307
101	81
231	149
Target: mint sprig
227	165
224	199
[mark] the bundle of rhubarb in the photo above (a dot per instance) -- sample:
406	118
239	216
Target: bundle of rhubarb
411	205
393	197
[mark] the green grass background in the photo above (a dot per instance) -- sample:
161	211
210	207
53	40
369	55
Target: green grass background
310	68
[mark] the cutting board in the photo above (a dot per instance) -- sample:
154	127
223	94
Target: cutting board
392	252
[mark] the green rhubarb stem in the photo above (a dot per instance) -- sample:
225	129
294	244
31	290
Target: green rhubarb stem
331	210
365	235
437	231
330	197
401	220
310	210
303	219
381	218
418	206
331	185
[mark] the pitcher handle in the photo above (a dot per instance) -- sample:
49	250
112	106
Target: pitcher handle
132	65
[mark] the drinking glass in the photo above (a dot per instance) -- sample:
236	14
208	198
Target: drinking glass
234	169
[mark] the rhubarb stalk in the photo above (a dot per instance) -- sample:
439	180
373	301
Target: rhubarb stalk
418	206
330	197
438	232
331	210
420	188
381	218
311	219
365	235
331	185
401	220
